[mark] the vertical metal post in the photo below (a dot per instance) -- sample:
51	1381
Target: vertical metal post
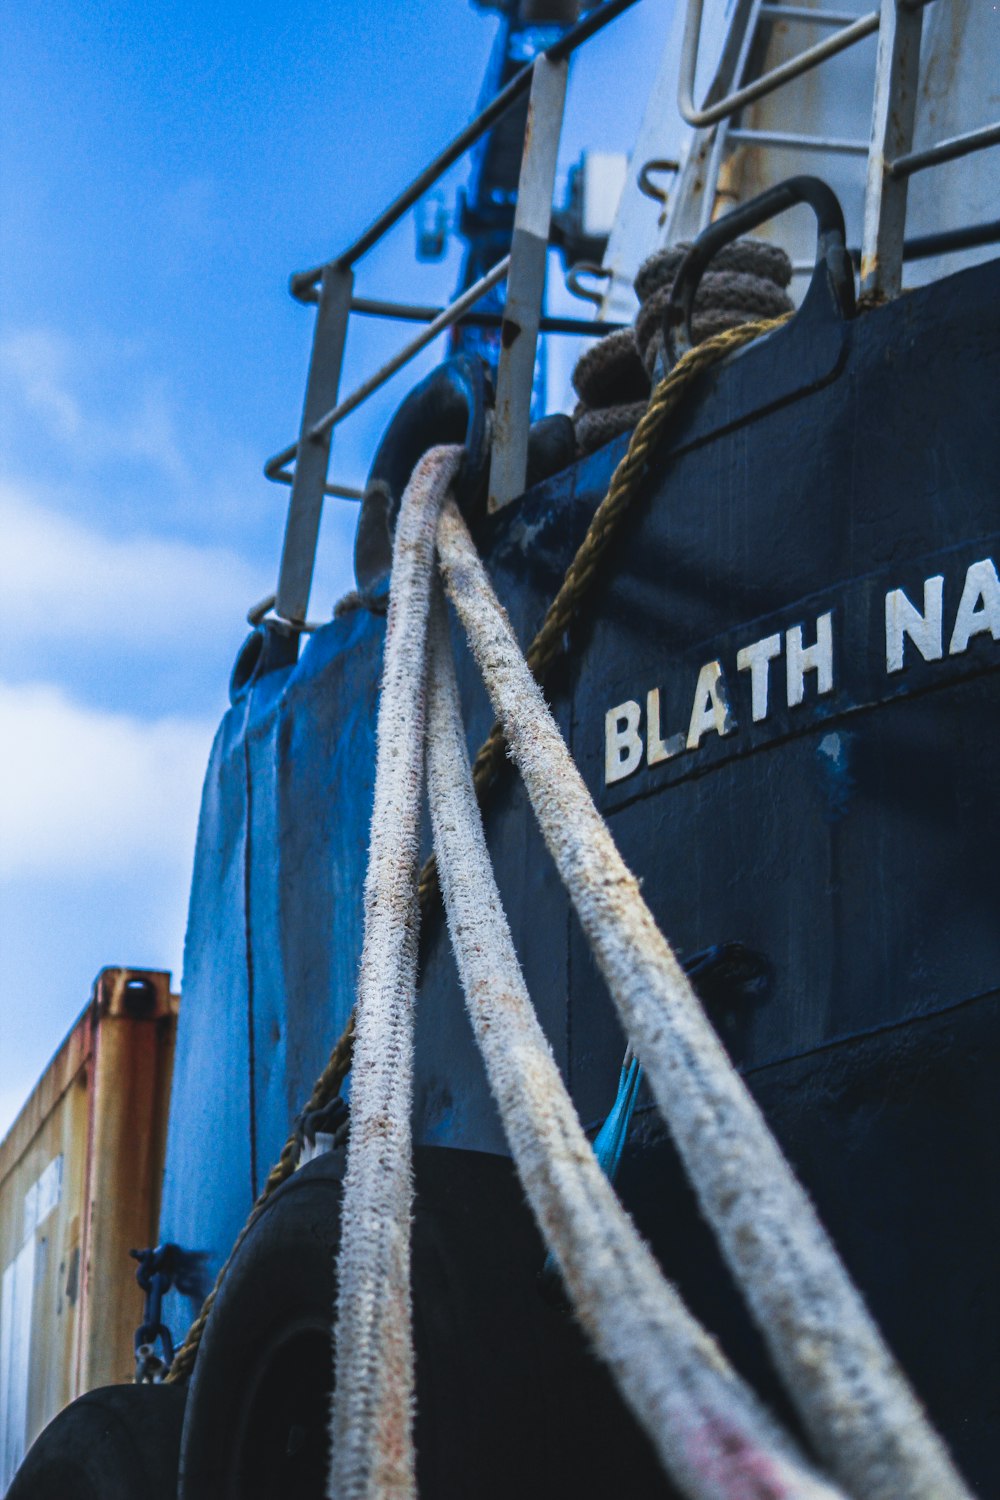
897	75
298	554
710	177
526	281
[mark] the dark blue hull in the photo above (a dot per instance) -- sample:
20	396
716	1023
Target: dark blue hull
846	833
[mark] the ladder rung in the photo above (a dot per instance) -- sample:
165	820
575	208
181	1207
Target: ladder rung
790	142
778	12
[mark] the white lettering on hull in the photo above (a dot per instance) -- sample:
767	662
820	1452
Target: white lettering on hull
903	619
657	748
800	659
979	609
628	740
756	660
622	741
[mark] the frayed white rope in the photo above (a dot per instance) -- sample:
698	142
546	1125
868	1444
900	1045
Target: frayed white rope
712	1435
855	1402
371	1425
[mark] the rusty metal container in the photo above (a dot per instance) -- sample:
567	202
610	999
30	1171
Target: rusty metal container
80	1175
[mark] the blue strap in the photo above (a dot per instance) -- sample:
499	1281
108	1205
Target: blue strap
610	1141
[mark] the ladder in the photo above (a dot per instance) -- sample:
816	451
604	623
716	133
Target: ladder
874	165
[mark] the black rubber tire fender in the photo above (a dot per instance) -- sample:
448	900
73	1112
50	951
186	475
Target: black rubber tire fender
119	1442
508	1400
265	1360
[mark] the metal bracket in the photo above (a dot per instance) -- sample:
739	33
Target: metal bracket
155	1275
645	182
897	78
312	457
526	281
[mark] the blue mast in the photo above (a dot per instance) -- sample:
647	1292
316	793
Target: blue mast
485	218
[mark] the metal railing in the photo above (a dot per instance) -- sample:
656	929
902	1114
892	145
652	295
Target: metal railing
891	162
722	109
324	425
949	150
714	117
330	286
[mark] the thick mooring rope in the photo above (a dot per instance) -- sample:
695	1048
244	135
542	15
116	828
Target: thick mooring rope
625	487
371	1428
626	484
710	1431
855	1402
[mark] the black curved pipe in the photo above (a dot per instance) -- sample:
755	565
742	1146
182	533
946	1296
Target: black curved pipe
832	267
450	405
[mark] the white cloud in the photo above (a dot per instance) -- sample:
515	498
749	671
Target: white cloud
82	791
150	434
40	360
55	379
60	577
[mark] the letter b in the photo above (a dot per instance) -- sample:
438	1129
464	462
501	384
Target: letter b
622	741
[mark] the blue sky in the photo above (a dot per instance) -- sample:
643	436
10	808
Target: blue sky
162	171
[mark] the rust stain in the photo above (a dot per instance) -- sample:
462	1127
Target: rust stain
529	130
510	332
93	1131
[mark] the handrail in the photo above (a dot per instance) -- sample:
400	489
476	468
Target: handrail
444	320
925	246
304	282
409	312
949	150
786	140
448	315
776	12
795	66
331	285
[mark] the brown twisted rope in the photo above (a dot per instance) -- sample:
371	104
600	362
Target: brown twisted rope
326	1087
546	646
625	483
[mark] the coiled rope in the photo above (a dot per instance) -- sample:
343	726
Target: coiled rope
625	486
710	1431
747	281
853	1399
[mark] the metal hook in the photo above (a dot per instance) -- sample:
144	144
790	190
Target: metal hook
645	183
587	268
